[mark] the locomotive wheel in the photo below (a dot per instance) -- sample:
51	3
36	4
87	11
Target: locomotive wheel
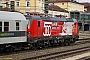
54	43
9	49
12	49
61	43
73	41
46	44
33	46
67	42
1	50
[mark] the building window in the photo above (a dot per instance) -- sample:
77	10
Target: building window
42	6
17	25
42	0
17	0
7	5
6	26
17	4
0	26
6	0
62	3
28	4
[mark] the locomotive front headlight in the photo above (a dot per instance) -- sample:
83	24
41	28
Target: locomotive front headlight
29	33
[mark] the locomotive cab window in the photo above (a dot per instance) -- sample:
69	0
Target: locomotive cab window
0	26
6	26
17	25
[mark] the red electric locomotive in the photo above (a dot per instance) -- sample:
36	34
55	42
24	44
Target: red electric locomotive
49	31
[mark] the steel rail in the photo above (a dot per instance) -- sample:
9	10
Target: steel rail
59	54
28	50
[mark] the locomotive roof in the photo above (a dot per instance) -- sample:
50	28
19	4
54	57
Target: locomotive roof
51	18
61	19
4	15
36	17
58	19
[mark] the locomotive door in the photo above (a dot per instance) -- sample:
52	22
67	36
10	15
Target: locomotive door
39	29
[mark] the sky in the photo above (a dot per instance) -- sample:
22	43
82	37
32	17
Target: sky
84	1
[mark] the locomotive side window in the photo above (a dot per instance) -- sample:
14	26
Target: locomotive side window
17	25
0	26
6	26
38	23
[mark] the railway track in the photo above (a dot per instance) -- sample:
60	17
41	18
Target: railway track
49	55
85	58
82	41
59	54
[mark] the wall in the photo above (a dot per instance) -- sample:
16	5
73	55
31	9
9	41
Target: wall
35	6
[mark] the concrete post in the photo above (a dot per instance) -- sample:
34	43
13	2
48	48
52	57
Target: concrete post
82	26
89	27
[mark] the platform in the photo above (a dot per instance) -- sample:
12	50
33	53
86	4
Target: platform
77	57
84	35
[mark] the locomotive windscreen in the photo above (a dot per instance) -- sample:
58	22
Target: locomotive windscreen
74	20
69	20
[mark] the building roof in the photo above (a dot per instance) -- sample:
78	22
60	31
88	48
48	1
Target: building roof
86	4
8	9
57	8
58	1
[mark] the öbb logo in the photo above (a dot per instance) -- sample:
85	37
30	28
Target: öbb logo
47	27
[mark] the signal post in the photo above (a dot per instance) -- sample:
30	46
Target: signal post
46	7
12	6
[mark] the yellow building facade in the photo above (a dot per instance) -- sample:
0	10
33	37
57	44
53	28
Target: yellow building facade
38	6
69	6
26	5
